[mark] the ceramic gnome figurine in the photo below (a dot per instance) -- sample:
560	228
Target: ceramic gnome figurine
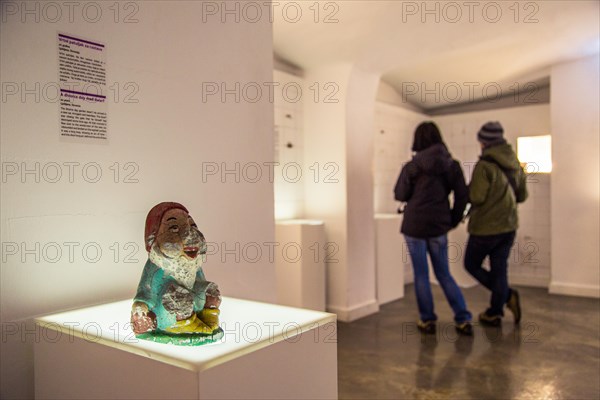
174	302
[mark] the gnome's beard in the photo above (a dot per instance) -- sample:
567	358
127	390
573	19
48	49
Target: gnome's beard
181	268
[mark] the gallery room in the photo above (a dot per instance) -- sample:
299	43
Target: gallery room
300	199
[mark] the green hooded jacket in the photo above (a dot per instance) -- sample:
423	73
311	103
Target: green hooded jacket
493	201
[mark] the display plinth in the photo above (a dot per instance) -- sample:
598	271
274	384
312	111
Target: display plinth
300	265
268	351
391	258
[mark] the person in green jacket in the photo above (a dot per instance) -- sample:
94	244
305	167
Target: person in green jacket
497	185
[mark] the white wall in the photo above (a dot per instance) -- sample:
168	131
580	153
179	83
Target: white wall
575	178
289	188
392	138
386	93
168	135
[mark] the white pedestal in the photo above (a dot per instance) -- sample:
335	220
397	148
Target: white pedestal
300	263
391	258
268	352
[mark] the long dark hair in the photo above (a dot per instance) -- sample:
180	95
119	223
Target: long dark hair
427	134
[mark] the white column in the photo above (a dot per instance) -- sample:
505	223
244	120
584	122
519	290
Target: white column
338	144
575	192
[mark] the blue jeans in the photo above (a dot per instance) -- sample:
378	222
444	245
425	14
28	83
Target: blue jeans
497	247
437	248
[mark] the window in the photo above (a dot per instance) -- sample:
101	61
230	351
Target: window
535	153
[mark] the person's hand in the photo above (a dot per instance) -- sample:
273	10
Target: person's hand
142	320
213	296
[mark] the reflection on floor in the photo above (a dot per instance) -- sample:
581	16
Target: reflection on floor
554	354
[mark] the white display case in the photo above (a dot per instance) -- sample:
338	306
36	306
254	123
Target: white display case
268	352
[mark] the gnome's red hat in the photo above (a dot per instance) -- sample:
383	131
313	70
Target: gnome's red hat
155	217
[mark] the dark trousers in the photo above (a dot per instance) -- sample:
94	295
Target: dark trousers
497	247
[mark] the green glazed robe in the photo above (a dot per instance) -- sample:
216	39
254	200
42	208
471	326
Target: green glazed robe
156	290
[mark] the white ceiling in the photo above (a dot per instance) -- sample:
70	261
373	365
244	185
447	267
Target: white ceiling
387	38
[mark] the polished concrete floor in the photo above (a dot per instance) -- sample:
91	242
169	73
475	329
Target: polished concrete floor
554	354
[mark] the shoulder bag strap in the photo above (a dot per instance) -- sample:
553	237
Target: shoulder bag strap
510	177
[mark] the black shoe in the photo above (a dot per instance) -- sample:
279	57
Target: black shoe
465	329
490	320
514	305
427	327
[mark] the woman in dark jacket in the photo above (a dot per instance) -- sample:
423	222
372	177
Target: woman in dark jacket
425	184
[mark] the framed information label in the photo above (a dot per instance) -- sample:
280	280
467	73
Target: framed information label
82	81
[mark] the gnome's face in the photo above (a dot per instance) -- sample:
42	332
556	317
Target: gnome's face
179	238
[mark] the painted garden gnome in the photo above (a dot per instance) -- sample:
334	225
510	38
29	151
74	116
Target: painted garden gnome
174	302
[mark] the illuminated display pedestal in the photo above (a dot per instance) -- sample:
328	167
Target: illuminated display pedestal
268	351
391	260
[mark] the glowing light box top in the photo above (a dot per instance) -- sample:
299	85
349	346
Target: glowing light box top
248	326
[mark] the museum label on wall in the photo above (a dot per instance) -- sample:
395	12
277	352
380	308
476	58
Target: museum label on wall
82	81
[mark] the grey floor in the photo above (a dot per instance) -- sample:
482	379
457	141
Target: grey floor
554	354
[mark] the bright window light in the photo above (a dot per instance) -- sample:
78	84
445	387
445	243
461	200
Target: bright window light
535	153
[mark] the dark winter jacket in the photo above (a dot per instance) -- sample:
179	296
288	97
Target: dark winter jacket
425	184
493	200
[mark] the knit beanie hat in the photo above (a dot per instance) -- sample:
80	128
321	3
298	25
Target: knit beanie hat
491	133
155	217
